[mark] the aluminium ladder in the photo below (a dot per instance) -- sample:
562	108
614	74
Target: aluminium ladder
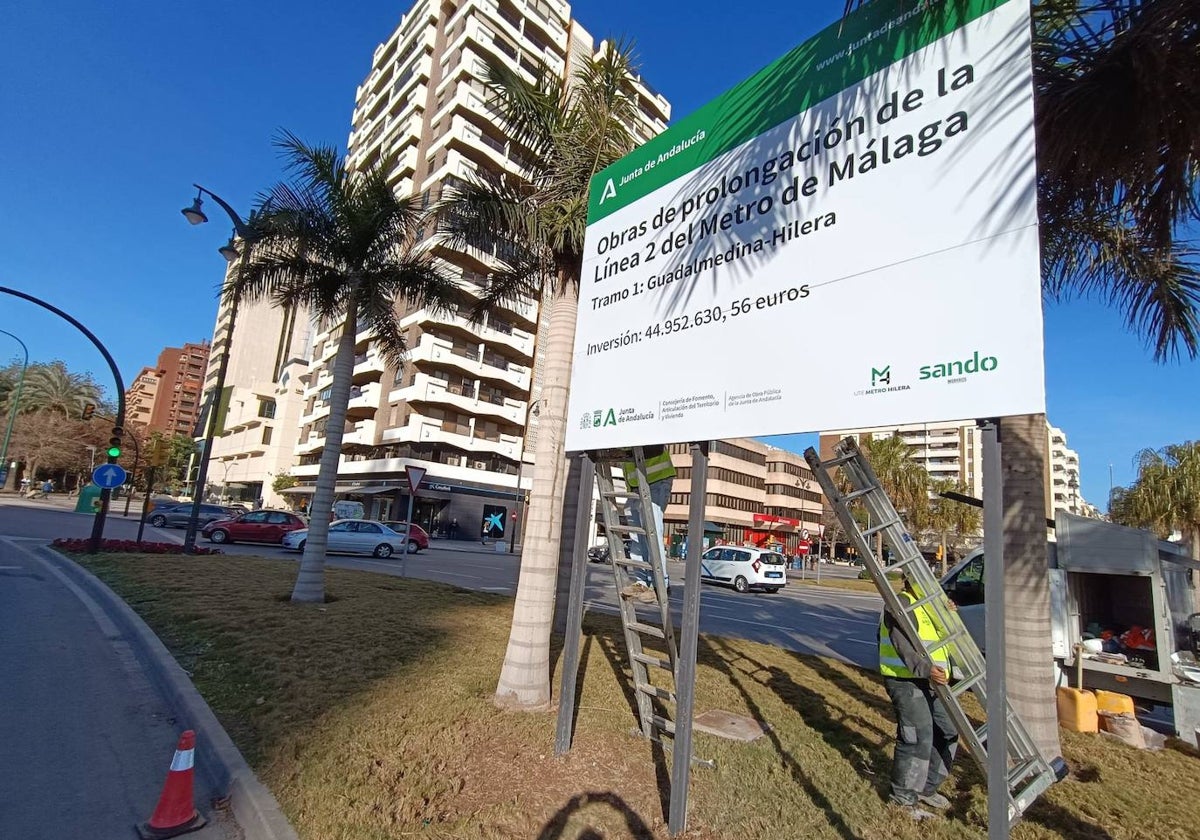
616	507
1029	774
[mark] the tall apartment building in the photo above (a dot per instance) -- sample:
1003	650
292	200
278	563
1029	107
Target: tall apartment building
462	404
948	451
954	451
166	398
756	494
139	399
259	416
1062	474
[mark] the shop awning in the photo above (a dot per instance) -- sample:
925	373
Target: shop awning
340	490
710	528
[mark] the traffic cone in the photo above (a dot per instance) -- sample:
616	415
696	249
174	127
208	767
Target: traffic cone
176	814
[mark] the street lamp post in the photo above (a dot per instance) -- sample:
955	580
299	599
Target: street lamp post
12	414
195	215
532	411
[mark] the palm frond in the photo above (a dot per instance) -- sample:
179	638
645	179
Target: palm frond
531	112
1098	255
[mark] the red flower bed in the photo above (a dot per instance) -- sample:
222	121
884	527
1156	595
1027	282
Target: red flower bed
80	545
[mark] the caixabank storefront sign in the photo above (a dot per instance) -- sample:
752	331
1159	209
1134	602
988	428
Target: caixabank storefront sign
857	220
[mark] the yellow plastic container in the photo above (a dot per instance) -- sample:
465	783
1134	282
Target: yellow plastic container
1114	703
1077	710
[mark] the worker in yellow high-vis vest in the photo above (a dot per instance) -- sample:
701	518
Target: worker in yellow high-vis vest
926	739
660	474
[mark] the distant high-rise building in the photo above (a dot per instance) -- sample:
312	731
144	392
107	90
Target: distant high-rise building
462	404
954	451
259	417
166	398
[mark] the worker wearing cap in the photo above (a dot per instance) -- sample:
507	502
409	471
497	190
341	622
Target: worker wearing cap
660	473
926	739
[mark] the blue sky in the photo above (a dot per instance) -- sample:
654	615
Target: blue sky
109	112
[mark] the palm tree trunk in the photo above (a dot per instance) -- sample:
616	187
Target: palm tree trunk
1030	659
525	678
310	582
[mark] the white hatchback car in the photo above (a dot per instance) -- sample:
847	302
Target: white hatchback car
744	568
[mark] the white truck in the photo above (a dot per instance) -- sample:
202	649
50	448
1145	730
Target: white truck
1106	578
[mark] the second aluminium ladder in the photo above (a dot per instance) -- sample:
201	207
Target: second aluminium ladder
616	507
1029	774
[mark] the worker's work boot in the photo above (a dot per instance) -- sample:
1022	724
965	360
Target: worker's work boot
934	800
639	591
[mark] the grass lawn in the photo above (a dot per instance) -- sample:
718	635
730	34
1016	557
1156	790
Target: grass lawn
852	584
370	717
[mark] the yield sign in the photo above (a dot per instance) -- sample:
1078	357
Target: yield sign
415	475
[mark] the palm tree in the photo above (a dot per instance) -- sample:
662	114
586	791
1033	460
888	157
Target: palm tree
51	387
344	245
1165	496
948	517
1116	84
904	480
535	229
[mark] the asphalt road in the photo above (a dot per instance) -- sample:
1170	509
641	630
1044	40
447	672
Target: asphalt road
828	622
87	740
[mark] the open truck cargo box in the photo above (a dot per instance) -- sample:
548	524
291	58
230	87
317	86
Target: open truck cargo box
1117	579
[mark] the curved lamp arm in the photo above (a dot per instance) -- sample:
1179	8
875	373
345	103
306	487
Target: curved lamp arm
243	230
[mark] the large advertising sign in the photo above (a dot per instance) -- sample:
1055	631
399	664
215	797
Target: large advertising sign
848	238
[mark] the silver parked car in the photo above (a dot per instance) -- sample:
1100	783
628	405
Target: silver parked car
354	536
177	517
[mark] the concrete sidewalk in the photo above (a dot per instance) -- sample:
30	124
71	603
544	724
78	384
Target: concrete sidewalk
94	705
87	738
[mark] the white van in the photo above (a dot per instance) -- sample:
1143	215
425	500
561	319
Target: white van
744	568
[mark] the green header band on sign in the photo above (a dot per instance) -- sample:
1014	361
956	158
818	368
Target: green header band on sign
875	36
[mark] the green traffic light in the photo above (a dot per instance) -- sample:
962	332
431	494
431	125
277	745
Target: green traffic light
114	452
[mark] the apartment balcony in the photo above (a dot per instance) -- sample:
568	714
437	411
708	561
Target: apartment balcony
552	26
324	380
319	410
491	367
436	392
310	443
404	166
361	433
475	145
363	401
368	367
524	311
508	446
495	331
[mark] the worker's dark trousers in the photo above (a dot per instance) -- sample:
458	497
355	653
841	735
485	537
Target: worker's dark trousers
925	739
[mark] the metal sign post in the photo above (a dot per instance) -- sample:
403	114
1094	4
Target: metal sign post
685	680
565	727
993	550
414	476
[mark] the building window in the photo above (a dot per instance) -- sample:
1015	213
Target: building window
723	447
266	408
266	438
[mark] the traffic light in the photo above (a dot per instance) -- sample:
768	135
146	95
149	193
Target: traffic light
160	453
114	443
89	409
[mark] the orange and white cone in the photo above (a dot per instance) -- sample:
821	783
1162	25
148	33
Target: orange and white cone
176	812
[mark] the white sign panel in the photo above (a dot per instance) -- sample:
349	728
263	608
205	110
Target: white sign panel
849	238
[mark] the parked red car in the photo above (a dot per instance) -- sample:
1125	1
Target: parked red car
262	526
417	538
